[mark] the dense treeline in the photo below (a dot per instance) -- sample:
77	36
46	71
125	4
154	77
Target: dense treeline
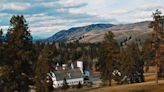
24	62
120	63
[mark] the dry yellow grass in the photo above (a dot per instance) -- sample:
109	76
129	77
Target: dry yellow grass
150	77
138	87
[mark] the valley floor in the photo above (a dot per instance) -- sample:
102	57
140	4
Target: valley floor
137	87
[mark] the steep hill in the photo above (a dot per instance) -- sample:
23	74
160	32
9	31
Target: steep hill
95	33
135	31
76	32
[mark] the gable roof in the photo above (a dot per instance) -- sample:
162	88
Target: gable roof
68	74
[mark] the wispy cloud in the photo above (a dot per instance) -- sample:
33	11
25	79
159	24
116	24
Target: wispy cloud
14	6
46	17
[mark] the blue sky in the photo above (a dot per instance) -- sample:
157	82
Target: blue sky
46	17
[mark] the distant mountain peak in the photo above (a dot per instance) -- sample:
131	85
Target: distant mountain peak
74	32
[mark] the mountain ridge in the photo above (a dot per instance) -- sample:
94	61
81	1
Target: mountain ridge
72	32
95	32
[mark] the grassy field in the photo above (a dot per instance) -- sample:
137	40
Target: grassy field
138	87
148	86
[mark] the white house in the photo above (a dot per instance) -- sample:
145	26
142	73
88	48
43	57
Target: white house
73	77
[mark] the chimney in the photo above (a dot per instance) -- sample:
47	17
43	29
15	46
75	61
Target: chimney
56	68
72	66
64	66
80	65
57	65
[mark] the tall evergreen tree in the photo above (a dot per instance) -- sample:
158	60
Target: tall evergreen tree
109	51
19	45
1	33
41	70
148	53
1	45
158	40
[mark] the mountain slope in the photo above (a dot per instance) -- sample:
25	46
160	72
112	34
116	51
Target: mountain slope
76	32
95	33
136	31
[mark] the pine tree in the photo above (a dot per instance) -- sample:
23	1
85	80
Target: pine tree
19	45
132	63
65	84
148	53
109	51
41	70
1	33
158	39
79	85
1	46
19	42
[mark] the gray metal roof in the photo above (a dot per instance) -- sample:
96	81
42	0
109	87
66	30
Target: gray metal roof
68	74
